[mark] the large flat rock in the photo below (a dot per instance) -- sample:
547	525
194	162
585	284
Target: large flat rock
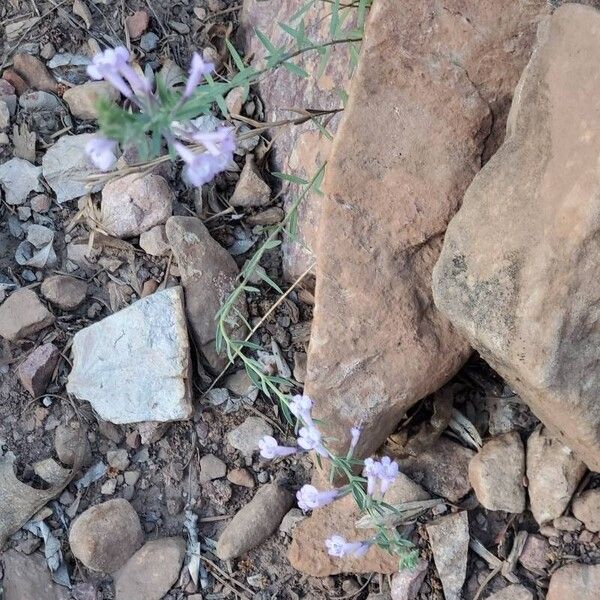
519	273
135	364
426	105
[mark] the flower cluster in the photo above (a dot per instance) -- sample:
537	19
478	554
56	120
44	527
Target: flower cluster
214	149
309	436
380	474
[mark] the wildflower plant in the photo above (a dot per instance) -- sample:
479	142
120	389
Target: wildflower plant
169	124
367	488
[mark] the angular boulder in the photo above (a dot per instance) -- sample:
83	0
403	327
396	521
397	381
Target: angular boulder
519	272
135	364
208	274
378	343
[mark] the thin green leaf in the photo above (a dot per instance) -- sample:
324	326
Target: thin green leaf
289	177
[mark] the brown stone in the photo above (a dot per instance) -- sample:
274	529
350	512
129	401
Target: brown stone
575	581
512	592
34	71
142	579
135	203
208	274
105	536
137	23
255	522
378	343
308	552
442	469
517	273
22	315
587	509
18	83
36	370
251	189
535	555
497	473
28	578
553	472
83	99
407	582
63	291
241	477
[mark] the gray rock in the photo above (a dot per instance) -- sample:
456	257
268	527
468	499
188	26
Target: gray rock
291	519
70	440
211	467
63	291
135	203
18	178
441	469
105	536
553	472
118	459
34	101
512	592
65	167
152	571
154	241
251	190
208	275
245	437
407	583
22	315
28	578
254	523
497	472
449	540
149	42
239	383
4	115
135	364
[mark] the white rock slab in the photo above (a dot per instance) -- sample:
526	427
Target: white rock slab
65	167
135	365
18	177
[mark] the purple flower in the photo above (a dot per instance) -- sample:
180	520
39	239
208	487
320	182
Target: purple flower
355	436
269	448
201	167
102	153
310	438
220	142
383	472
113	66
309	497
371	472
300	407
387	473
198	69
338	546
108	65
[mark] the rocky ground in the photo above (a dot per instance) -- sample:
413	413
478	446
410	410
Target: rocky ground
123	478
